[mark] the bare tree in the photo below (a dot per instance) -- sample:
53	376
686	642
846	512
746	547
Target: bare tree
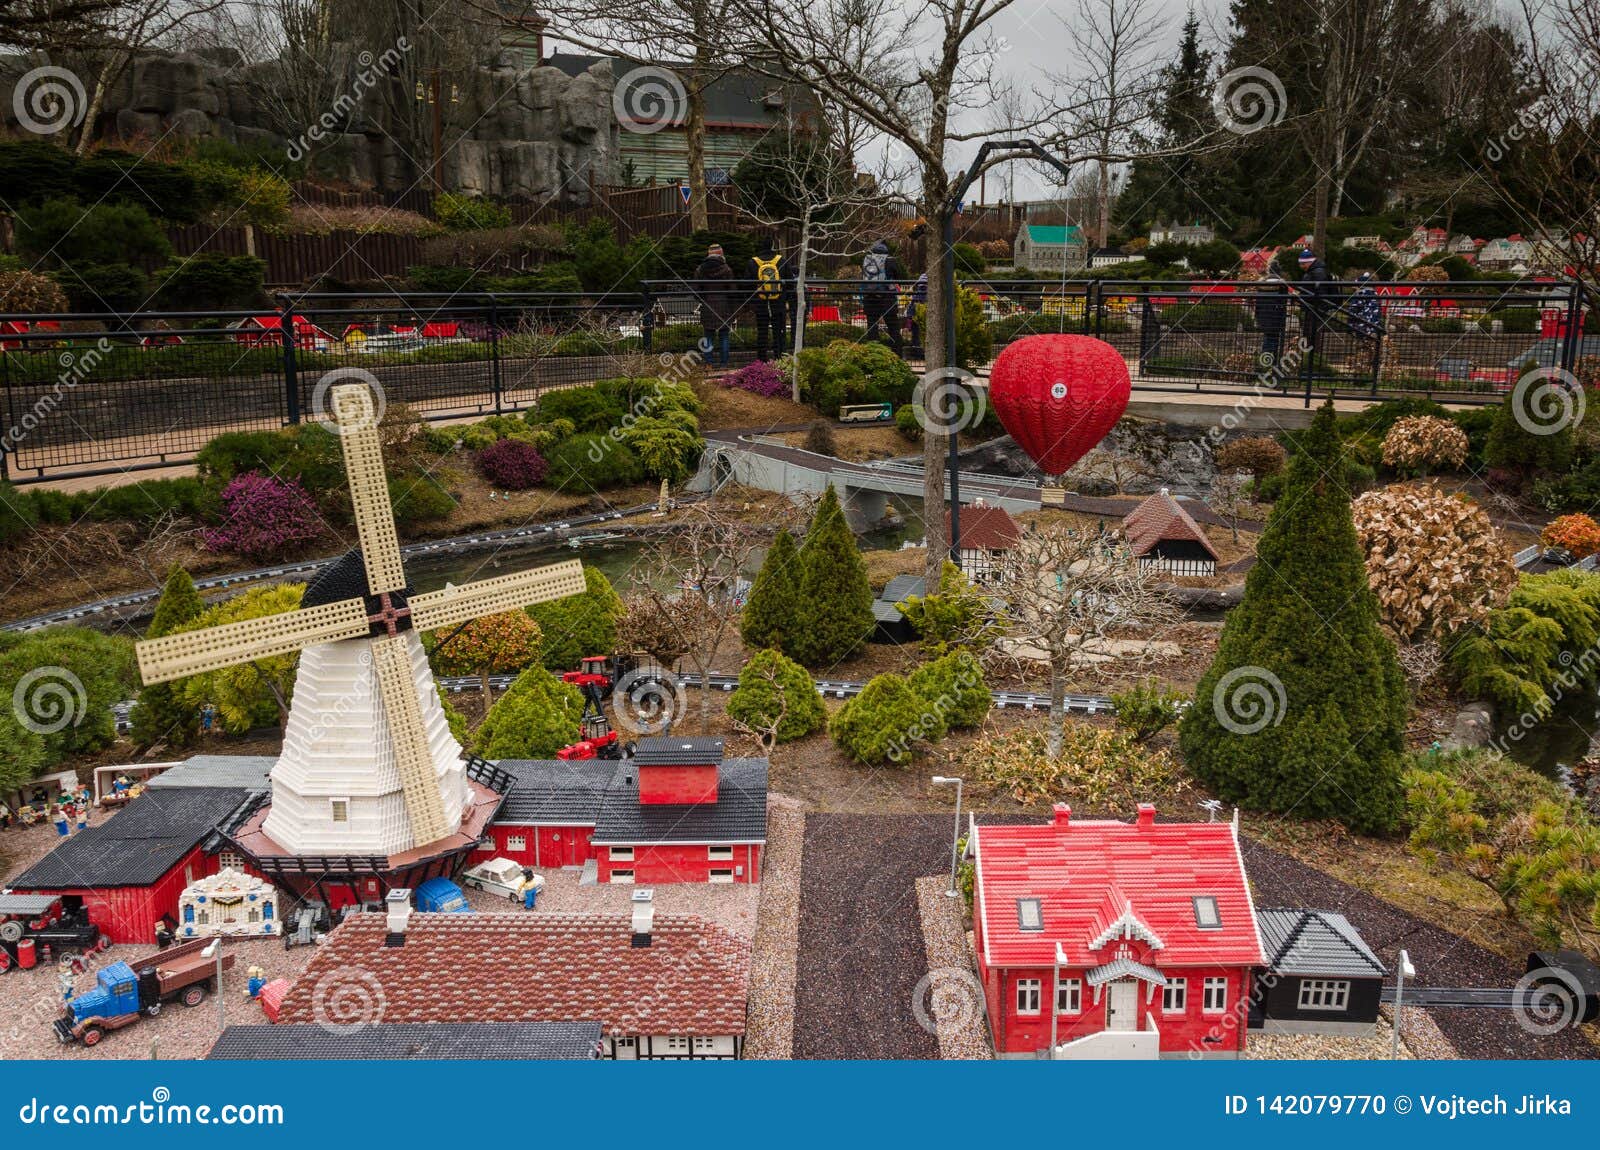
1071	598
1118	77
48	24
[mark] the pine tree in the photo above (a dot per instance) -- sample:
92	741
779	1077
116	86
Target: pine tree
1523	438
579	625
1303	710
160	714
771	612
835	611
776	699
535	718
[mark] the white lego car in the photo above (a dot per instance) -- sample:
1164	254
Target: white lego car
501	876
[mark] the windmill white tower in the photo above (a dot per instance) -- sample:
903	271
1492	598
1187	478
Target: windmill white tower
368	764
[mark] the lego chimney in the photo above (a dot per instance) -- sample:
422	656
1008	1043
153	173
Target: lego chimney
1147	814
644	917
398	904
678	771
1063	816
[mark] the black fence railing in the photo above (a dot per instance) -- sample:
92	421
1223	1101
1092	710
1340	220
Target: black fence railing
84	395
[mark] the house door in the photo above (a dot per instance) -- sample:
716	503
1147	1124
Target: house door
1122	1006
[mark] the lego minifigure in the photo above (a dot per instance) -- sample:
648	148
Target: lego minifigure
257	979
208	717
163	934
64	980
63	824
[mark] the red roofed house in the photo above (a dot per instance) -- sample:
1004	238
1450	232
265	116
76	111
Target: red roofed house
265	330
987	533
661	986
1141	934
1165	537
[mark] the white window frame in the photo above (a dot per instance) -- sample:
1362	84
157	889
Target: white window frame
1332	994
1175	996
703	1044
720	874
1072	989
516	842
674	1045
622	876
621	854
719	854
1214	990
339	810
1028	993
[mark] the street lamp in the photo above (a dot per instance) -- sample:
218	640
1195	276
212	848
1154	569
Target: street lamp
1405	971
955	837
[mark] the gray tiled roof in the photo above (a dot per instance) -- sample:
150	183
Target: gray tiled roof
136	845
739	814
1315	942
554	792
248	771
677	751
900	588
421	1040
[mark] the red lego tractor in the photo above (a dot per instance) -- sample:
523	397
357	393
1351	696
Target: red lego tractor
598	742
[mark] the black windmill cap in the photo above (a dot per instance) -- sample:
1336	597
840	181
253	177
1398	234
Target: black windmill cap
344	578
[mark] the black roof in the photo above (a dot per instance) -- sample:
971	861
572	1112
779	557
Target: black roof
677	751
137	845
739	815
553	792
501	1041
1298	941
344	578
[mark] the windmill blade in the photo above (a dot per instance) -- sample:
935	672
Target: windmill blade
412	756
434	609
194	652
357	417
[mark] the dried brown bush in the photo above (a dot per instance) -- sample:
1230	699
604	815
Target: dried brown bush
25	291
1256	454
1419	444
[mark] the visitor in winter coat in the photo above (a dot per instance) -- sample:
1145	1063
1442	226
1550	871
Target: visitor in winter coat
879	271
1316	296
1272	315
713	281
774	281
1364	310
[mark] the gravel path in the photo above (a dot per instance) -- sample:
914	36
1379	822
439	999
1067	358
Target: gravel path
1441	958
951	998
769	1022
1331	1047
861	950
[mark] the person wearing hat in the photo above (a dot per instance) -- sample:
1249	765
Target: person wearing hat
774	291
879	271
1316	295
1365	311
714	287
1272	316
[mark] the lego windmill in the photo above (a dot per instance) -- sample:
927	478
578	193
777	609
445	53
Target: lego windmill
368	764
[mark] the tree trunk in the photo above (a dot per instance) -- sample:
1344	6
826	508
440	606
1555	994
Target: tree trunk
800	302
934	444
695	136
1103	232
1319	232
1058	707
96	101
488	688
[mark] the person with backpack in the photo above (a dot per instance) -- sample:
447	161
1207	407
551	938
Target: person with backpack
1317	298
713	281
1272	316
774	280
879	271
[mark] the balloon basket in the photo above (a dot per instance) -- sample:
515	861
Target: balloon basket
1052	496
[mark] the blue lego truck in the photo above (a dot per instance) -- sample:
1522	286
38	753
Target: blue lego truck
126	992
441	896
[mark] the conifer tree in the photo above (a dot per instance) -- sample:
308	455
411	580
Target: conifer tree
771	614
835	610
535	718
1303	709
161	714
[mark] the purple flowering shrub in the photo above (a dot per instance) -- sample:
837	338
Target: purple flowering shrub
759	378
512	464
264	518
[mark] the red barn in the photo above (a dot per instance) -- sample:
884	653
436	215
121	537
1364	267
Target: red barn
266	331
1114	940
675	812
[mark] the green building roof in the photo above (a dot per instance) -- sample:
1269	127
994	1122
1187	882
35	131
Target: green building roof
1055	234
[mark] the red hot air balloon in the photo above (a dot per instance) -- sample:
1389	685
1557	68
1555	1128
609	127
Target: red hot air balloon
1058	396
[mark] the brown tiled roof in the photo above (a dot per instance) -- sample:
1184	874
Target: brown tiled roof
1162	517
986	528
529	967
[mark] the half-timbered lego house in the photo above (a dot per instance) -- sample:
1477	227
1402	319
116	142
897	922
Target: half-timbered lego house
1100	939
987	534
1163	536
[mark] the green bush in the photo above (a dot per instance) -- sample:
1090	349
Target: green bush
463	213
954	686
1207	317
770	686
19	513
885	723
104	287
445	280
969	260
1514	320
593	463
1147	708
1540	639
665	450
1443	325
213	283
535	718
67	678
236	452
907	423
65	234
586	408
955	615
579	625
147	501
1514	447
835	597
772	613
843	373
419	499
161	714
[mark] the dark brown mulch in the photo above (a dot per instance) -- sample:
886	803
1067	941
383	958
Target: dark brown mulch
1441	958
861	950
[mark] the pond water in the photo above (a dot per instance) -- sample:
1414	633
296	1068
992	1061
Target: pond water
1561	740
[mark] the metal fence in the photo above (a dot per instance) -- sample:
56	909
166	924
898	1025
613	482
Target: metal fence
85	395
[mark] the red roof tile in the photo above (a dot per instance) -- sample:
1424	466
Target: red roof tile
536	967
1088	875
986	528
1162	517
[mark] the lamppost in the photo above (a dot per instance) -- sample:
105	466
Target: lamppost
955	837
1405	971
215	950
